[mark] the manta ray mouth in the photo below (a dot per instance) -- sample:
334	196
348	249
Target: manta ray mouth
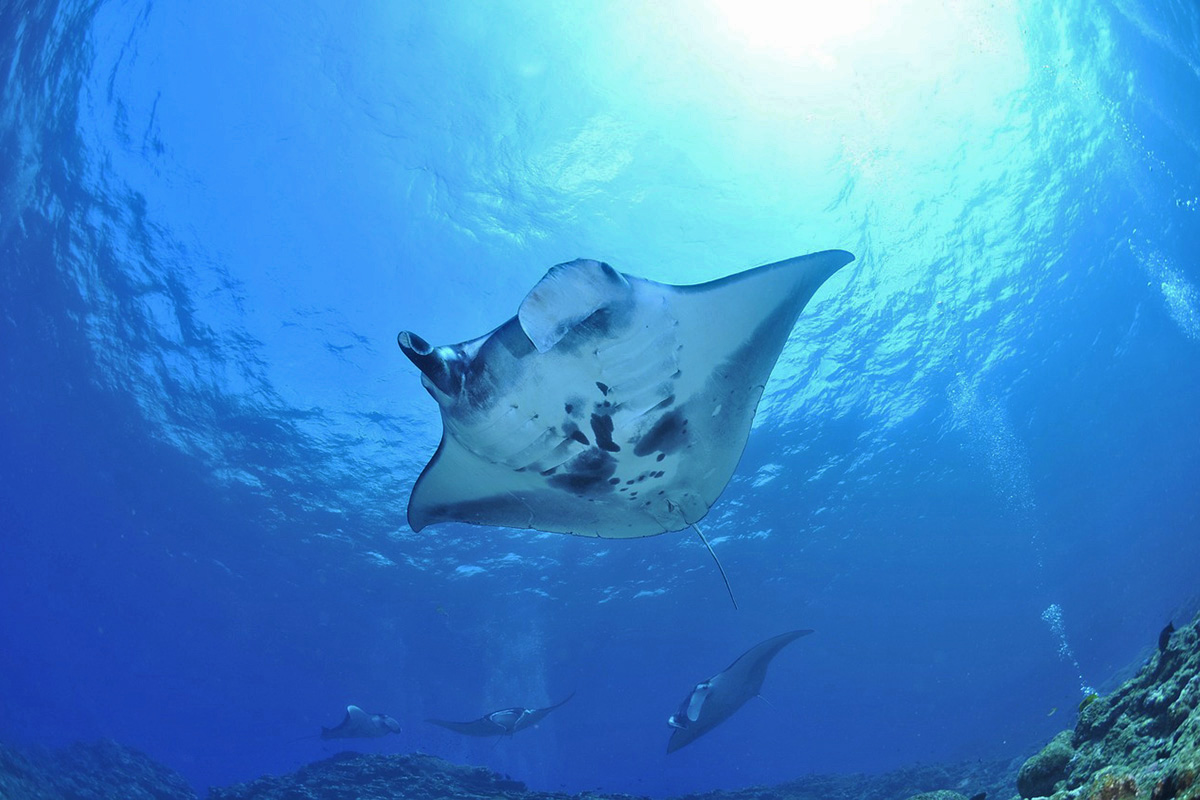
433	362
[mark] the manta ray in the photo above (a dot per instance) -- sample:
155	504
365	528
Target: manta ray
358	724
713	701
610	405
504	722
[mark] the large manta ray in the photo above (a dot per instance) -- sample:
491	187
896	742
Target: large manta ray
610	405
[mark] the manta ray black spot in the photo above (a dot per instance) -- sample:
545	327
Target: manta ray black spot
661	456
602	426
586	473
570	409
668	435
575	434
614	481
603	387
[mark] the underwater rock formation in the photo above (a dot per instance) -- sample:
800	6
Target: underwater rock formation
104	770
357	776
421	777
1141	741
1041	772
92	771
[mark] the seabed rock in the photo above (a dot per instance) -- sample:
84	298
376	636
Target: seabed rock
421	777
941	794
1043	771
1142	741
357	776
107	771
94	771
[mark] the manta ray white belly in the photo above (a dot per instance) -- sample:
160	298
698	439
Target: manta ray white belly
610	405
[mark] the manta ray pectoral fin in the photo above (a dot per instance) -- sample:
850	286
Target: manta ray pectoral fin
476	727
567	295
437	364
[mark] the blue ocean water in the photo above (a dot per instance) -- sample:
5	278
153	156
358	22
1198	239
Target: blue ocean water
974	471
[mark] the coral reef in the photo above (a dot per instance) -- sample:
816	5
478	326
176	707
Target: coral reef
356	776
420	777
93	771
1142	741
919	782
1039	774
21	779
105	770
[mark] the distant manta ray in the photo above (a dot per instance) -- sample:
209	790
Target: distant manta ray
713	701
610	405
358	724
504	722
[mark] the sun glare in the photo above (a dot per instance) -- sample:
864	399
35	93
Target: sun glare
802	27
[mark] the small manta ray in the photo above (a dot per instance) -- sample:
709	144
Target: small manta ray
610	405
713	701
358	724
504	722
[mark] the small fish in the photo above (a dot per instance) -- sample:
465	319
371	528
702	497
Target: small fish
1164	638
1050	713
1087	701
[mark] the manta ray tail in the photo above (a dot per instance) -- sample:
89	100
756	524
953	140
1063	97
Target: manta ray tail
712	553
765	700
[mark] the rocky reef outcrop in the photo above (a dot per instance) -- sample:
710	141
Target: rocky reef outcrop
960	781
421	777
107	771
357	776
93	771
1142	741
